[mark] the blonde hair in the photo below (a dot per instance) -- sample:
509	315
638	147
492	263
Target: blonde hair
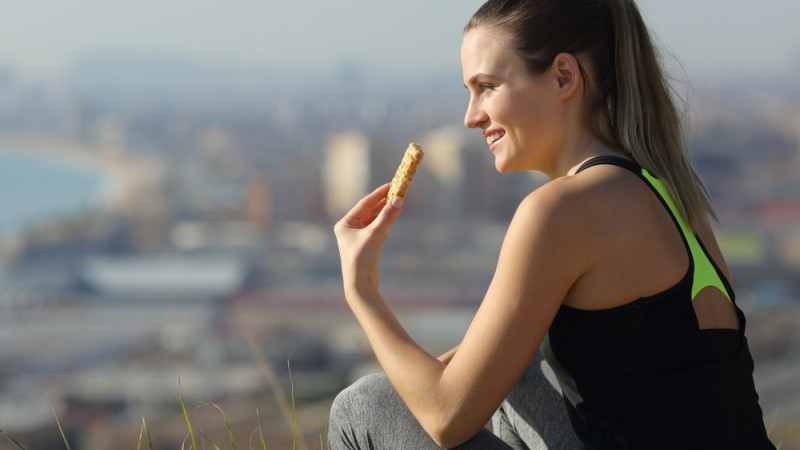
630	106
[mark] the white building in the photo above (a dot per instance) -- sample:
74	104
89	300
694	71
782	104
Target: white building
346	174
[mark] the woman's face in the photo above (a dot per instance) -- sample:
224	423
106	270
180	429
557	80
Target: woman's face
517	113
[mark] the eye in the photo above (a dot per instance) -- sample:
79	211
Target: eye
486	87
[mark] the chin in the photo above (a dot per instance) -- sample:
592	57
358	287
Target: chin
501	165
504	167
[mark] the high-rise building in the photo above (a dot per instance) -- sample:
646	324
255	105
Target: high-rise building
346	171
258	203
445	149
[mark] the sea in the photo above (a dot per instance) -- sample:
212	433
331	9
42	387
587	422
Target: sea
35	189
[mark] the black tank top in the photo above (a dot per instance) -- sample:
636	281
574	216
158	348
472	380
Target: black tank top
644	376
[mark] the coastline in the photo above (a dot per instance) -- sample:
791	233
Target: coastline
126	175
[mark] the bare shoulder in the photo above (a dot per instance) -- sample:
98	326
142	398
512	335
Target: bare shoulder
578	203
593	217
563	219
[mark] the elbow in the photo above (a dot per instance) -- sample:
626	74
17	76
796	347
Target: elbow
448	432
448	439
446	442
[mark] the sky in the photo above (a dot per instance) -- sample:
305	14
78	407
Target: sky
40	39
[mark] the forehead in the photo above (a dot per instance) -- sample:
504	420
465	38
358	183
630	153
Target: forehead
488	51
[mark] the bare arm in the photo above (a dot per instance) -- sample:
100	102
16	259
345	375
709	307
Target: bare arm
453	397
447	356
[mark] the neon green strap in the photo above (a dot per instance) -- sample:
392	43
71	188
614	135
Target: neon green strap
705	274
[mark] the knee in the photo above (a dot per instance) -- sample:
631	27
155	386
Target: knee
362	395
356	409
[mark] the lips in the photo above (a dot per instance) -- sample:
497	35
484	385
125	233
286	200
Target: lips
492	138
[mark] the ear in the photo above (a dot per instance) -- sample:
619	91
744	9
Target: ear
567	73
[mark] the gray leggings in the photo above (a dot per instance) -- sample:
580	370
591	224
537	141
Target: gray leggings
371	415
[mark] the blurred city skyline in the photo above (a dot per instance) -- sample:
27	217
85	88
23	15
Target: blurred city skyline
42	40
220	142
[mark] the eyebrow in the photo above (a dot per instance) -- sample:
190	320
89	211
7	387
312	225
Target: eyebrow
473	79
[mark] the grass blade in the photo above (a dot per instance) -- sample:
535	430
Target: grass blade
227	425
141	432
12	440
291	384
260	431
771	429
146	432
327	432
203	435
63	436
186	415
275	387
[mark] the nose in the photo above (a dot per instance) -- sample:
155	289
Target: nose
475	114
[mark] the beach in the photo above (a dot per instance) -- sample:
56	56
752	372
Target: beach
125	175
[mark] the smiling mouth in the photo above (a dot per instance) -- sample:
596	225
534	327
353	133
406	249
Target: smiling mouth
494	137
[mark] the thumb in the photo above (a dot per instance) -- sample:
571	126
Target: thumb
389	213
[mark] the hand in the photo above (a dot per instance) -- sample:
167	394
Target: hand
360	235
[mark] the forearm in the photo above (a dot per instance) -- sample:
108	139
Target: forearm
397	352
436	392
415	374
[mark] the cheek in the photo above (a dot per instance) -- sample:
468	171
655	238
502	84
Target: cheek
533	118
500	109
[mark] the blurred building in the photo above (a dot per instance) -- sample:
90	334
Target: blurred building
258	205
346	171
445	149
160	277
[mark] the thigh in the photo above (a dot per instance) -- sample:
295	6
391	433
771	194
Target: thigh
534	416
371	415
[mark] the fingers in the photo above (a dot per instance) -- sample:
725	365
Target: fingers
372	211
361	233
369	205
369	218
388	214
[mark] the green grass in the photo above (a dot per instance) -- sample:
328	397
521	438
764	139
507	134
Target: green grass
186	415
294	428
12	440
63	436
787	433
146	433
227	424
260	434
288	412
22	447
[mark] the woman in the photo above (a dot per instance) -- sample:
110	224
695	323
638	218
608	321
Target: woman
611	268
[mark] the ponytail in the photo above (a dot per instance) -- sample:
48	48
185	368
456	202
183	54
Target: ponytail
644	119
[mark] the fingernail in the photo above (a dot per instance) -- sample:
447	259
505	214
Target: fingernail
397	202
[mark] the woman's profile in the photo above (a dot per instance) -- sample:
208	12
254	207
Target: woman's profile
610	321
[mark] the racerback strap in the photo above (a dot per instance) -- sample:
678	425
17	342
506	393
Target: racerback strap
706	273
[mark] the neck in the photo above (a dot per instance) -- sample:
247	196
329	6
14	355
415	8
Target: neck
575	153
578	142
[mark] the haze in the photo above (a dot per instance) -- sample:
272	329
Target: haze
41	39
